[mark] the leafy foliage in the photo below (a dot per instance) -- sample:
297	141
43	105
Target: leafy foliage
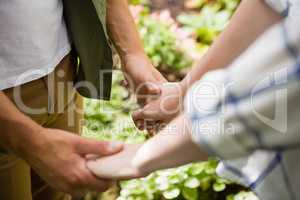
110	120
222	4
139	2
242	196
190	182
161	44
210	21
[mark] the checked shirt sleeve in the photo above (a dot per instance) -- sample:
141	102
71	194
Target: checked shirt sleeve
281	6
254	104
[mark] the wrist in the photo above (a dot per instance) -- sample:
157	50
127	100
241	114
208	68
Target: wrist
27	139
139	67
135	55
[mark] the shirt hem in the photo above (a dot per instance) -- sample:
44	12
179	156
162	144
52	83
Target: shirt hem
43	71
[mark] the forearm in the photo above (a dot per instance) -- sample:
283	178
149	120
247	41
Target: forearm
172	147
250	20
136	65
16	129
122	30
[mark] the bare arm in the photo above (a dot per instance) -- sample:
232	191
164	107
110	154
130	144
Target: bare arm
135	64
15	127
250	20
171	147
45	149
122	30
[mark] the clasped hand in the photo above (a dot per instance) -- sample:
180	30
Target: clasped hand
156	111
119	166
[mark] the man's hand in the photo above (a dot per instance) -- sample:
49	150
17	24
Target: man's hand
162	110
59	158
136	66
142	77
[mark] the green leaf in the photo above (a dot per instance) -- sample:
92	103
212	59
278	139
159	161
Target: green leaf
125	192
245	196
196	169
172	193
219	187
192	183
205	183
190	194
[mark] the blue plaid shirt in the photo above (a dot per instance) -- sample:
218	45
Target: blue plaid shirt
248	114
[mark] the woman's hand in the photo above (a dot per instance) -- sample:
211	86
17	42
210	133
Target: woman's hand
142	77
118	166
160	111
169	148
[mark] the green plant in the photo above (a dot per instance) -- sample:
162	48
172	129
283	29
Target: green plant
196	181
110	120
243	195
210	21
193	4
161	44
139	2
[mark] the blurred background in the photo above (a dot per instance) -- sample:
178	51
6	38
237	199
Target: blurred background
175	33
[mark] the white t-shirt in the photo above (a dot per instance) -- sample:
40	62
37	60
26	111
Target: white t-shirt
33	40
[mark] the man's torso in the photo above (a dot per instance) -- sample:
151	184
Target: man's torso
33	36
